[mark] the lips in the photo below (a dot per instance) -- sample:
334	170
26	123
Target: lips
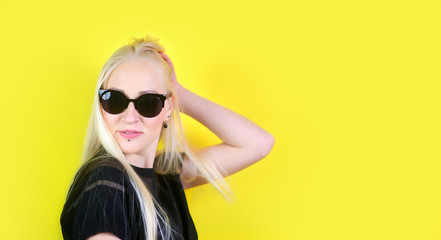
129	133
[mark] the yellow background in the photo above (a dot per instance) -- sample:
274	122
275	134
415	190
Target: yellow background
349	89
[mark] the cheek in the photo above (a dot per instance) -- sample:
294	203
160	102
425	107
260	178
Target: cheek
110	120
154	124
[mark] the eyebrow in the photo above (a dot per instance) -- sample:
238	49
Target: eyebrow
141	92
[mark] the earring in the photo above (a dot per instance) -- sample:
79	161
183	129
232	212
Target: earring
165	124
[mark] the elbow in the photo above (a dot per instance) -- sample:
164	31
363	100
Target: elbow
265	144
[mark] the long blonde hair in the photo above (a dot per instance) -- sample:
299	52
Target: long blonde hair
172	141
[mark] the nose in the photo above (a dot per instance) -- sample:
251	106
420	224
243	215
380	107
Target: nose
131	115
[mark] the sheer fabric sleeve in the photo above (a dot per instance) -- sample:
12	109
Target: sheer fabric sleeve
102	206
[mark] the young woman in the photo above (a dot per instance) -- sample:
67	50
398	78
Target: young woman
136	161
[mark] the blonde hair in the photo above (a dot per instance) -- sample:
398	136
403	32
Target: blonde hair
172	140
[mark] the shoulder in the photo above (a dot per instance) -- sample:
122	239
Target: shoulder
104	178
105	169
97	201
98	180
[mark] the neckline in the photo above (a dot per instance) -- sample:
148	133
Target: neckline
143	171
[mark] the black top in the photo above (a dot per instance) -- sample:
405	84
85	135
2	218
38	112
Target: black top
103	200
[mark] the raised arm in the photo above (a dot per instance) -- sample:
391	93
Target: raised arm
243	142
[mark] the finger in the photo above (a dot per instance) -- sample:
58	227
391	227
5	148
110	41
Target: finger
164	55
167	59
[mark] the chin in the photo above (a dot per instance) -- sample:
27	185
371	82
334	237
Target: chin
129	147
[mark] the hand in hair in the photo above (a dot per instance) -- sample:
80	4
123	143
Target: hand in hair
173	80
243	142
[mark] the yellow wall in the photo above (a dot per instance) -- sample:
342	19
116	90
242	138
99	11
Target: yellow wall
349	89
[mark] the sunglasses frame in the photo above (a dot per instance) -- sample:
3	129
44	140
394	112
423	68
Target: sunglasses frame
162	97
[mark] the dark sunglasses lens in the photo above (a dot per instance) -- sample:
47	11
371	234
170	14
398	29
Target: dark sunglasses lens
113	102
149	105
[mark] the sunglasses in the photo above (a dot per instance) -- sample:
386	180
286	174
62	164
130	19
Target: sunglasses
149	105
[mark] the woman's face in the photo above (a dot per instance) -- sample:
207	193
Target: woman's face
134	133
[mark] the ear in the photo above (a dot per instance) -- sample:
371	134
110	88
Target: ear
170	102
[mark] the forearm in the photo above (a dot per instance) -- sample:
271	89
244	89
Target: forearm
232	128
244	143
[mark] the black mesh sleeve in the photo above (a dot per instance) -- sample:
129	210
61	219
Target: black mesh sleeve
102	208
